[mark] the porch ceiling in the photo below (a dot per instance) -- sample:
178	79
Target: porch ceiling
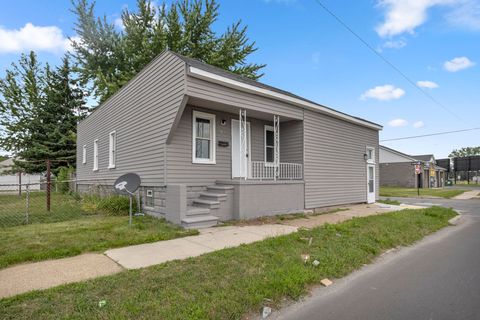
234	109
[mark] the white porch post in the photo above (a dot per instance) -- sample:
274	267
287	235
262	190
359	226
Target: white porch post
243	142
276	145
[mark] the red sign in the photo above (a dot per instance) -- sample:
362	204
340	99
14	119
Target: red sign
418	169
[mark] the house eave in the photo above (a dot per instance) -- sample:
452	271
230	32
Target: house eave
231	83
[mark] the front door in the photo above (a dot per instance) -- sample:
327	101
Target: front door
239	170
370	183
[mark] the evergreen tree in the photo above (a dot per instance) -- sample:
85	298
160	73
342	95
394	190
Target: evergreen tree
108	58
40	109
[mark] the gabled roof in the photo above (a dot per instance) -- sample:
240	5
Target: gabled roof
401	154
246	81
424	157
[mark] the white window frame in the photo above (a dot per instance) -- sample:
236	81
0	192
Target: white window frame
265	129
372	160
211	117
95	155
112	149
84	154
149	193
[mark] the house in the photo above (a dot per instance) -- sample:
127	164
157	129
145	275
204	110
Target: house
398	169
211	145
10	181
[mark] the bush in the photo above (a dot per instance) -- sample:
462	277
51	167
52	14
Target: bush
111	205
63	175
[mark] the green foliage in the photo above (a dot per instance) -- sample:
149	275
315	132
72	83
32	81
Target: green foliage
39	110
3	158
114	205
465	152
64	174
389	201
235	282
108	58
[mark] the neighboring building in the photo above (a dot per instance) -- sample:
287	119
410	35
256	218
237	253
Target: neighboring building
210	145
397	169
10	181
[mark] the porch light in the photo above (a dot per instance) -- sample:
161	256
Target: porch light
365	156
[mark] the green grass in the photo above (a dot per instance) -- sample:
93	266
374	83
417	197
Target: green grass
92	233
412	192
389	201
230	283
13	208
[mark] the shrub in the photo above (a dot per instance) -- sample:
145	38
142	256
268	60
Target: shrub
112	205
63	175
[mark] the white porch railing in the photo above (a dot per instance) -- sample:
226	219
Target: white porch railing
261	170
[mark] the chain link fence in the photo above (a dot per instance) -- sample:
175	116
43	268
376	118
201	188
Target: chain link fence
30	203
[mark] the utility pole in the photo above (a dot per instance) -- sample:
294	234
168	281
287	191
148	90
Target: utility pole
49	187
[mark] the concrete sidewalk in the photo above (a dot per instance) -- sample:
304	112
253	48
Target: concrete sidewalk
46	274
467	195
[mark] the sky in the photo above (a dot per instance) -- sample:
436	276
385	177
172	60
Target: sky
435	43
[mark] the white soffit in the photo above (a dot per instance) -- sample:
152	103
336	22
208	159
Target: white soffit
205	75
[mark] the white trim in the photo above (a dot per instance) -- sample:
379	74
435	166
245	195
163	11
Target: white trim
370	161
202	74
112	149
95	155
370	165
249	144
213	124
84	154
265	129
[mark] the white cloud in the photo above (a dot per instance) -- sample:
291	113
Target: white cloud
466	14
395	44
418	124
383	93
31	37
458	63
427	84
118	22
398	122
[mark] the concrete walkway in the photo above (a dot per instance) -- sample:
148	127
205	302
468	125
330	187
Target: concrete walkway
46	274
467	195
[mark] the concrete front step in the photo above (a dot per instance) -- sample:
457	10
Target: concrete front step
198	222
210	204
219	188
195	211
213	196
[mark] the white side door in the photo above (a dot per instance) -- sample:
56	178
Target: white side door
370	183
238	165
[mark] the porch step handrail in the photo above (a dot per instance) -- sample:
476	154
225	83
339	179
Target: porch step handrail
261	170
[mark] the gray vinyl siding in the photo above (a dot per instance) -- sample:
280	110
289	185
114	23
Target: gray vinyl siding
142	114
180	168
334	168
214	92
291	141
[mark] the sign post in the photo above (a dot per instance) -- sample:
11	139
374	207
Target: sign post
418	171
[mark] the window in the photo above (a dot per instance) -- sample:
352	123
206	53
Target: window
269	144
370	155
84	154
112	148
149	198
203	145
95	155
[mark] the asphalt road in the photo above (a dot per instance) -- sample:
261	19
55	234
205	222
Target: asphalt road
438	278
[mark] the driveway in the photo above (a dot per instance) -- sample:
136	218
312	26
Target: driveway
439	278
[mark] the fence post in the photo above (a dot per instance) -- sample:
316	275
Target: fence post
49	186
27	202
19	183
139	206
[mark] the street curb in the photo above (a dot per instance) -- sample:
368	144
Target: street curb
455	220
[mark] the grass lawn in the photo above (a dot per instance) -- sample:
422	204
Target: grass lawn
412	192
91	233
389	201
63	207
230	283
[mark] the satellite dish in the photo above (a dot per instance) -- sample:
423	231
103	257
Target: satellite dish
127	184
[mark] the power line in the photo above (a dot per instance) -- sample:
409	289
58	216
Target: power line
378	54
430	135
